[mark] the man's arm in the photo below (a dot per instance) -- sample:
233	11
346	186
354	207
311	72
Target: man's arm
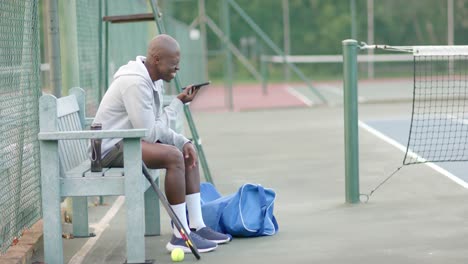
138	101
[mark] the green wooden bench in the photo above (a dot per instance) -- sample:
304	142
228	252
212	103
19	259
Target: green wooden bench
65	172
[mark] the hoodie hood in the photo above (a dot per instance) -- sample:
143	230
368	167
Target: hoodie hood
135	68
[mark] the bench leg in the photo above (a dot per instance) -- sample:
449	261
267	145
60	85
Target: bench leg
80	217
152	217
50	184
134	200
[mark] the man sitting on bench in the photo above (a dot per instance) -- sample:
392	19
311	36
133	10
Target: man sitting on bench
134	100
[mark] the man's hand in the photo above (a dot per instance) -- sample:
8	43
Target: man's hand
190	154
188	94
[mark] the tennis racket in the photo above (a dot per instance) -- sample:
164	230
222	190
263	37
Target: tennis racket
172	215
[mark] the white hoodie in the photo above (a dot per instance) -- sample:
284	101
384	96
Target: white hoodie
134	101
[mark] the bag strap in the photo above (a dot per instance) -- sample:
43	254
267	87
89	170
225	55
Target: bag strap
263	204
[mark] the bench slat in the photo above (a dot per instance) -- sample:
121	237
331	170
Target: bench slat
72	152
67	105
92	186
74	123
79	170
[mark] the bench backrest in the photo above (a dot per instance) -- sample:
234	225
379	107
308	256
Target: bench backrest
66	114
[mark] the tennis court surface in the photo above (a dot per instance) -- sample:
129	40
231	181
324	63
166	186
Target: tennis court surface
419	216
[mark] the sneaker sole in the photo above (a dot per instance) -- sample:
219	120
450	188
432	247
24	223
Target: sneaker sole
219	242
171	247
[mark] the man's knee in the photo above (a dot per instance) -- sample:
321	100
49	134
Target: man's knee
175	157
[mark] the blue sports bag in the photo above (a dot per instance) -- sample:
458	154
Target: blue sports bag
246	213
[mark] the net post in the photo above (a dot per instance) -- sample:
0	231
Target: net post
350	50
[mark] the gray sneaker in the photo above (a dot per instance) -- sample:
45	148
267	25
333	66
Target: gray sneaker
211	235
202	244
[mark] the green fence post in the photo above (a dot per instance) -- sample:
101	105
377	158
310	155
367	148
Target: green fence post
228	62
69	40
350	49
264	72
54	48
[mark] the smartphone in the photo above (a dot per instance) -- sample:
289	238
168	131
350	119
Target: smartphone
198	86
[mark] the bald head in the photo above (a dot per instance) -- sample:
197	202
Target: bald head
162	58
161	46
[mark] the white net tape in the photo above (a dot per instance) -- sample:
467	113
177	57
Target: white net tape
440	50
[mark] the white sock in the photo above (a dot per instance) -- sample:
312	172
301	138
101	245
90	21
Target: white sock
194	211
179	210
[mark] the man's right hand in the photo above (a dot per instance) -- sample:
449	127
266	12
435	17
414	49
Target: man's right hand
188	94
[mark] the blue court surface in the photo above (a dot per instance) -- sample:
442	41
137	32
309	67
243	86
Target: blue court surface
396	133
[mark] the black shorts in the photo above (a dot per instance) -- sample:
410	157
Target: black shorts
115	157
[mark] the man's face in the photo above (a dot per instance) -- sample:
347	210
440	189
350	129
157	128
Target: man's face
169	65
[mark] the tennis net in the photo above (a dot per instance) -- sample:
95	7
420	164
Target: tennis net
439	122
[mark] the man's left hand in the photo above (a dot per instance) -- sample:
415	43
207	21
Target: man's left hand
190	155
188	94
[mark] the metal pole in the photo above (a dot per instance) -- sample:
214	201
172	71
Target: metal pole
45	73
69	38
106	48
101	87
350	48
54	49
370	37
228	62
353	19
286	39
264	71
450	30
101	55
201	19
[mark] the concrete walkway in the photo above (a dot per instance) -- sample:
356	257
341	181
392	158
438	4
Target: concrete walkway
418	216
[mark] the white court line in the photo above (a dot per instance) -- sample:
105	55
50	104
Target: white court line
299	96
98	230
458	120
403	148
328	88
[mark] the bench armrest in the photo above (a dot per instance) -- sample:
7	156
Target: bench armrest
93	134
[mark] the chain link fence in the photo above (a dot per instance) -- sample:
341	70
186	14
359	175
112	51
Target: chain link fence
88	18
21	42
20	203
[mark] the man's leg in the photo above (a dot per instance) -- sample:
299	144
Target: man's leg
161	156
192	180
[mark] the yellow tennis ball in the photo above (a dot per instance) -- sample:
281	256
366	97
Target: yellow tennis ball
177	255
